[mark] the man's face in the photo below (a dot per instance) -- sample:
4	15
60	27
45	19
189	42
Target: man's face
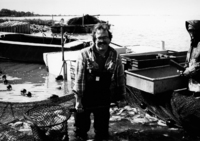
102	40
193	33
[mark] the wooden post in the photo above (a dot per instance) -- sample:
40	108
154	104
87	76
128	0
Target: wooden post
29	28
52	20
163	45
83	20
63	56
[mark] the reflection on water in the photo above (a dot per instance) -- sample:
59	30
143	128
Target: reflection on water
34	79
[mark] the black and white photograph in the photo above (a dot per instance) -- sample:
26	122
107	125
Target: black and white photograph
99	70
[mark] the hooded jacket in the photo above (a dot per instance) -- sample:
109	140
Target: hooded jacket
193	55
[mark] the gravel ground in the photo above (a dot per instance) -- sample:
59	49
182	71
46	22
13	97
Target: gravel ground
126	124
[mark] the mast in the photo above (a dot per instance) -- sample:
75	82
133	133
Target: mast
63	55
83	20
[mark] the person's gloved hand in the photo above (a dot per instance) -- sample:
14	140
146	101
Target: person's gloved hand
187	71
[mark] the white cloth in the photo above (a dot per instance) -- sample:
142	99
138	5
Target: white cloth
193	85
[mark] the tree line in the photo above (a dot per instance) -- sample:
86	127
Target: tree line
14	13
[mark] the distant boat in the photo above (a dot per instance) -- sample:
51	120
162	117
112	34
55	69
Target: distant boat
84	24
30	48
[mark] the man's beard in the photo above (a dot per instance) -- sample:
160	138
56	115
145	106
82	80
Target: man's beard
101	43
102	47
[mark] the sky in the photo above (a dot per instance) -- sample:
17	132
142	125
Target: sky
104	7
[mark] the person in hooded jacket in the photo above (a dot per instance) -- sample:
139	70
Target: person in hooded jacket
99	72
186	102
192	67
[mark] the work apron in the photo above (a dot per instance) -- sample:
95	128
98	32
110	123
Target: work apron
97	91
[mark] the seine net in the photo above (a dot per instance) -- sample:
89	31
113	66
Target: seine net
49	122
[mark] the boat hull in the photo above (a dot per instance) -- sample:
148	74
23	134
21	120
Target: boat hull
29	51
73	29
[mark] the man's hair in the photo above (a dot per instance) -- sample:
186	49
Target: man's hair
100	26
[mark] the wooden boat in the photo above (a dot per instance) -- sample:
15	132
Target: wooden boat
53	61
139	61
73	28
83	24
30	48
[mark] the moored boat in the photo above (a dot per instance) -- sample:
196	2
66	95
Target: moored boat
83	24
164	92
30	48
73	28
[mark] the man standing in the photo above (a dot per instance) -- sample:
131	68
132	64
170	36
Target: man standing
99	72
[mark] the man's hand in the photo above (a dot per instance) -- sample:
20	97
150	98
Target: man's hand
79	106
121	104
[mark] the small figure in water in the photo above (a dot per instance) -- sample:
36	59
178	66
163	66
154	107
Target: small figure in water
23	92
29	94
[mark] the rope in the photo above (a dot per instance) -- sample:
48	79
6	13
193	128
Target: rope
4	109
69	40
159	106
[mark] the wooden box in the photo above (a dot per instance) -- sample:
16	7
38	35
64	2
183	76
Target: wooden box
152	60
155	80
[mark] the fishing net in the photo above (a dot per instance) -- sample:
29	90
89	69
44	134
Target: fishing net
178	108
186	107
8	133
157	105
49	122
10	111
